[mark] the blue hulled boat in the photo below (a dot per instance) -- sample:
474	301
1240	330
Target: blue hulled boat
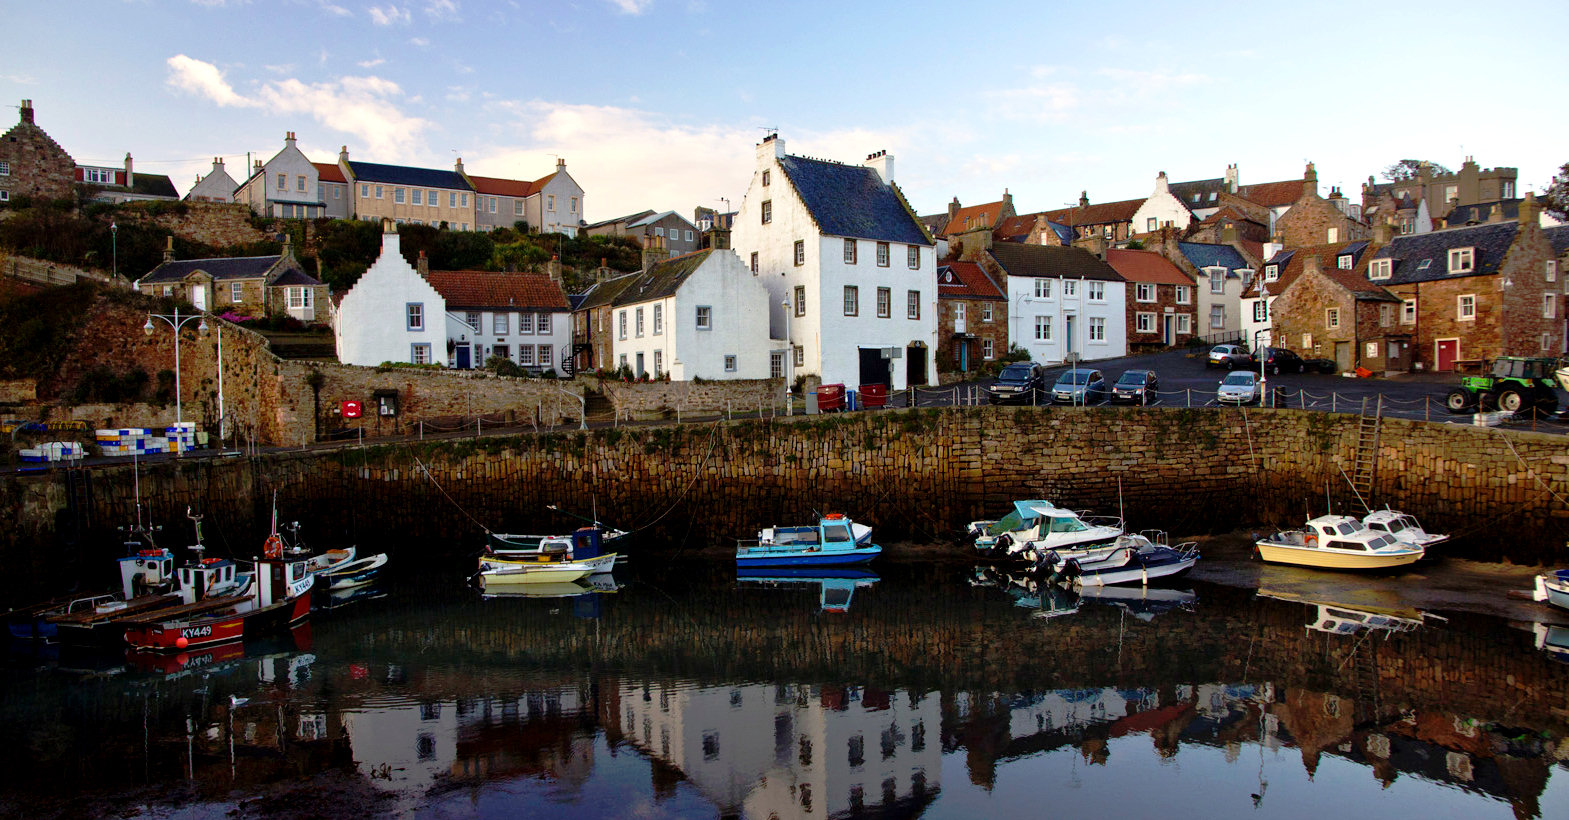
835	541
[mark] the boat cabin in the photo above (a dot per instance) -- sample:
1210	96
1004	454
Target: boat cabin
205	578
832	529
146	572
1391	522
1342	532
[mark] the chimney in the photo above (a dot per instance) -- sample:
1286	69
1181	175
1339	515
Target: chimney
1310	181
1231	178
458	166
168	249
553	268
1084	199
1162	185
288	139
343	154
27	111
1382	232
561	164
1309	264
1495	213
258	168
882	163
1007	202
973	243
128	178
1228	233
422	265
953	209
718	238
1528	211
602	272
654	252
770	149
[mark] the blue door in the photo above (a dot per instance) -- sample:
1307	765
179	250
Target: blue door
462	357
964	357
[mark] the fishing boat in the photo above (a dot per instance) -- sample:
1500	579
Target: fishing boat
1553	588
277	597
583	544
835	586
549	568
515	545
353	573
1134	558
832	542
1041	525
1552	639
1403	527
1337	542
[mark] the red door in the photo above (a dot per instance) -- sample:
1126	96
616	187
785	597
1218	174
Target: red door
1447	352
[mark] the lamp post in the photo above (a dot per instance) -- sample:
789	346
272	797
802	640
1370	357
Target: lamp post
1263	381
789	367
176	322
114	245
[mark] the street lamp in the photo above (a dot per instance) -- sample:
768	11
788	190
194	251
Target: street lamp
114	244
176	322
789	367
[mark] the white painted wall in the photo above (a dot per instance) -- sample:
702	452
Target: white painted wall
1058	307
1163	207
217	186
371	320
551	210
1230	298
263	194
514	339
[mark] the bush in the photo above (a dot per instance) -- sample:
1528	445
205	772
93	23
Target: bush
102	385
503	366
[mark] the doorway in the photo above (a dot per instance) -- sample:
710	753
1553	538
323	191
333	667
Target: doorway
875	368
463	360
1343	356
915	365
1445	352
1168	332
1067	334
199	296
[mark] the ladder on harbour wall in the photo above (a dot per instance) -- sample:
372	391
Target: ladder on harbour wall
1364	462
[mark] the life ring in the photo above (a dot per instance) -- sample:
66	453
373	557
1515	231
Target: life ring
273	548
1311	540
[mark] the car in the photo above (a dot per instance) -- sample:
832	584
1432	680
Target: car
1239	387
1279	360
1230	357
1079	386
1019	383
1136	386
1320	365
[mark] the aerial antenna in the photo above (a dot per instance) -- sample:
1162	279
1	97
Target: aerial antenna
771	129
726	201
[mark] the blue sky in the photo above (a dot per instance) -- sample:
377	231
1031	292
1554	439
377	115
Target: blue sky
658	103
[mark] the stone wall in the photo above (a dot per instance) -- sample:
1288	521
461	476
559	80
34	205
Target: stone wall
217	224
645	400
18	391
48	273
39	167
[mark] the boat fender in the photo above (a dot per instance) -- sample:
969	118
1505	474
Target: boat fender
1003	542
273	547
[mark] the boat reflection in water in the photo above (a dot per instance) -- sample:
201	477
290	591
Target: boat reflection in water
1348	619
835	586
1055	600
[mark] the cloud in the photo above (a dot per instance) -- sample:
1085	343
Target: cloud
213	4
283	68
20	79
632	6
365	107
391	15
371	63
442	10
334	9
419	41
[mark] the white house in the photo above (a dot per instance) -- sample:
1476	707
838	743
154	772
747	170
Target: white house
1161	210
285	185
521	317
1062	301
840	246
1223	274
392	314
217	186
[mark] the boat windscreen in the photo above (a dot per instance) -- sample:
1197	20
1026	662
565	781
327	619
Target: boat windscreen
836	533
1066	524
1008	523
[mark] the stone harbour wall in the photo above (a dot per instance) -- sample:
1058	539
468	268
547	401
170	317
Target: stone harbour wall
669	399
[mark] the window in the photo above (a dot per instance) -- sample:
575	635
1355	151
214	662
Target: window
1184	323
463	201
542	324
517	207
659	320
397	195
1097	291
800	252
1043	288
1466	307
1144	292
1217	279
1332	235
1149	224
849	251
1184	295
624	361
1271	273
1070	288
415	313
1261	311
432	198
1332	318
5	168
1552	270
283	182
959	312
1460	260
1408	312
1451	192
1343	261
912	257
1144	322
705	317
659	363
852	300
236	292
640	323
659	231
1386	315
472	319
417	198
882	254
800	300
986	312
885	303
913	304
574	209
419	353
106	176
550	202
1378	269
730	364
1043	328
337	192
299	184
1549	306
300	298
800	356
988	349
687	235
501	324
754	261
1217	316
452	200
776	362
168	290
526	323
768	211
766	176
1097	328
621	325
526	355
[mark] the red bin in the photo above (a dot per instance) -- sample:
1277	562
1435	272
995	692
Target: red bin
830	398
872	396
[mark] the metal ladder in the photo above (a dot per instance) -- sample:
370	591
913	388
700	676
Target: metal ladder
1364	463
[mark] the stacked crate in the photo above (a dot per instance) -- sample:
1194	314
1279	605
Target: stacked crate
180	437
53	451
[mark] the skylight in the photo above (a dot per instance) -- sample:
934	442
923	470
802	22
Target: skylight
1424	264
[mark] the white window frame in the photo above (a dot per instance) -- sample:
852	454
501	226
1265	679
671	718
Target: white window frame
851	251
236	292
501	323
525	324
1386	315
1070	288
1184	324
1144	292
1143	323
1183	296
1097	329
730	365
852	300
659	320
1408	311
1465	307
1332	318
912	257
1217	279
766	211
621	325
882	254
419	353
1260	310
414	316
1379	269
800	300
1042	328
885	303
705	317
397	196
1217	317
638	322
542	324
1344	261
1097	291
800	252
1271	273
1042	288
1549	306
988	349
1550	270
1462	260
912	303
986	311
474	319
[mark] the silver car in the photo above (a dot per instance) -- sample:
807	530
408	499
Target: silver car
1239	387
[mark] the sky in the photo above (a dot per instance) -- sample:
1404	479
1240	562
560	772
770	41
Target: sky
658	104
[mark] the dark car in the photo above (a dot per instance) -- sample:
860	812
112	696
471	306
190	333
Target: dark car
1320	365
1279	360
1079	386
1136	386
1019	383
1230	357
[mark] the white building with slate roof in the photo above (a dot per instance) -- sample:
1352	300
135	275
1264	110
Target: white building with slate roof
392	314
850	272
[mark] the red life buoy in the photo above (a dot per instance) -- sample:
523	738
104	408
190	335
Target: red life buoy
273	548
1312	540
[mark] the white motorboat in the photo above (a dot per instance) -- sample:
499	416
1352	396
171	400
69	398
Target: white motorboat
1403	527
1553	588
353	573
1337	542
1042	526
1135	558
545	569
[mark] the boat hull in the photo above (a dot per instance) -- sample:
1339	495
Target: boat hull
167	636
533	575
355	573
1138	574
1276	553
749	557
1553	589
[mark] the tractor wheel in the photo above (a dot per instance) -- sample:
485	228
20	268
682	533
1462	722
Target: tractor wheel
1510	401
1458	401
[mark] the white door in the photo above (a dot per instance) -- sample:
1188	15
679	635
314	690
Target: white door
199	296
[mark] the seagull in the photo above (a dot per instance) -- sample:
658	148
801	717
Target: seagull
235	701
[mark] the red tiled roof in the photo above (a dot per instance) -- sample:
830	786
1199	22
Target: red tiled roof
504	187
1146	266
329	172
1272	194
1097	213
1015	228
975	216
1231	213
490	290
968	282
1326	255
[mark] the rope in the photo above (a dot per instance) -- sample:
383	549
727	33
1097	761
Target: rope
1532	471
432	476
713	431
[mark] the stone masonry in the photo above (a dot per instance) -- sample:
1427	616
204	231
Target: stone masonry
34	164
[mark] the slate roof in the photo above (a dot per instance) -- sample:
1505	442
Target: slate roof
493	290
239	267
1409	253
152	185
1052	261
1463	214
966	280
1291	263
604	292
1559	236
660	281
628	220
652	217
329	172
405	175
1207	255
1146	266
294	277
852	201
1207	190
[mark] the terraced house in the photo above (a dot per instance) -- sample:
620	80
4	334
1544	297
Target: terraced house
419	196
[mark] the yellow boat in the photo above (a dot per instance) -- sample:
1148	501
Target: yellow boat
1337	542
543	569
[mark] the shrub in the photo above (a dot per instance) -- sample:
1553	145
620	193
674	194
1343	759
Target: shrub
503	366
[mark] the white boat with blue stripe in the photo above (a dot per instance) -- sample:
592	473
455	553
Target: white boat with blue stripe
835	541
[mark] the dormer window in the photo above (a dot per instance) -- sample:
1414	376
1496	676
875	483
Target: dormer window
1462	260
1378	269
1343	261
1271	273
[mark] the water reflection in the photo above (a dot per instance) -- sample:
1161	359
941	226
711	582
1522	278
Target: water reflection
835	587
690	694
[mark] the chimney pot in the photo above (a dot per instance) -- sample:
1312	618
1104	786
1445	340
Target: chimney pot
27	111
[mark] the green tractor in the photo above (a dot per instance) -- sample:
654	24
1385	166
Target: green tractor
1513	384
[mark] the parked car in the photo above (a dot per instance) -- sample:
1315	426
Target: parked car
1320	365
1136	386
1230	357
1079	386
1279	360
1239	387
1019	383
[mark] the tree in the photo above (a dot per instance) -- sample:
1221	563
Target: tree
1557	194
1407	169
